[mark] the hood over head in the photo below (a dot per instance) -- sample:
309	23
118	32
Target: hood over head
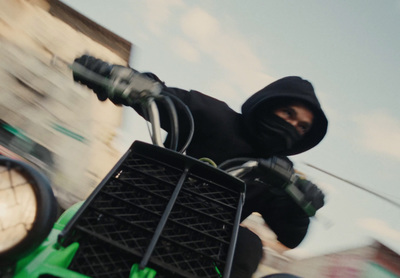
286	91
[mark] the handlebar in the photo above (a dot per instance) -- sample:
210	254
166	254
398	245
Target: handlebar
135	88
276	171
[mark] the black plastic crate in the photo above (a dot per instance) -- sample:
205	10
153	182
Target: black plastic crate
162	210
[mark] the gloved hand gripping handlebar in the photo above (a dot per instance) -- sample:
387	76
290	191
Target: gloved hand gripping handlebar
122	85
279	172
126	86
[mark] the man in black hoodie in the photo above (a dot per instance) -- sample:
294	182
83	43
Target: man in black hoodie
284	118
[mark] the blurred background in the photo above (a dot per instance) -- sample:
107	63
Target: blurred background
229	50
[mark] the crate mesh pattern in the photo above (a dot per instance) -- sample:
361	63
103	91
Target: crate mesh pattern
116	225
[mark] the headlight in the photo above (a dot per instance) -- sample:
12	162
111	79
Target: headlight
28	209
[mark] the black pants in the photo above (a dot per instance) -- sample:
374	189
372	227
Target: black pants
248	254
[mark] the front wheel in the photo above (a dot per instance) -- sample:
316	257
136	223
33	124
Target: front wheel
28	209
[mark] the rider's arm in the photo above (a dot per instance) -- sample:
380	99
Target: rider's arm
288	221
282	215
103	78
267	194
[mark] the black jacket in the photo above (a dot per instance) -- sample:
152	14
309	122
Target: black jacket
288	221
221	134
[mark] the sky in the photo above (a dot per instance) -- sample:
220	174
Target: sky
348	50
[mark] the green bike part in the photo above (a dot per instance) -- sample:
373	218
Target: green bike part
50	257
51	261
209	161
66	216
217	270
298	197
147	272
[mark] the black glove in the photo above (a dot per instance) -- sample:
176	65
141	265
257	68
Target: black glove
123	85
311	193
279	171
97	66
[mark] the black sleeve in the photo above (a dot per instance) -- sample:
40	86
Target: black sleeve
288	221
285	218
204	110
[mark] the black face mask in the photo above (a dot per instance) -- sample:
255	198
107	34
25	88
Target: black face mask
273	134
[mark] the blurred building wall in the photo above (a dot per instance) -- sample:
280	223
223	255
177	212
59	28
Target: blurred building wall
374	260
44	107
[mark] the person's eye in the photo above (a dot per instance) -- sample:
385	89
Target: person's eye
288	112
303	129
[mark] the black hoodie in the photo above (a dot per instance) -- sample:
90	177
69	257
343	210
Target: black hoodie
221	134
286	90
